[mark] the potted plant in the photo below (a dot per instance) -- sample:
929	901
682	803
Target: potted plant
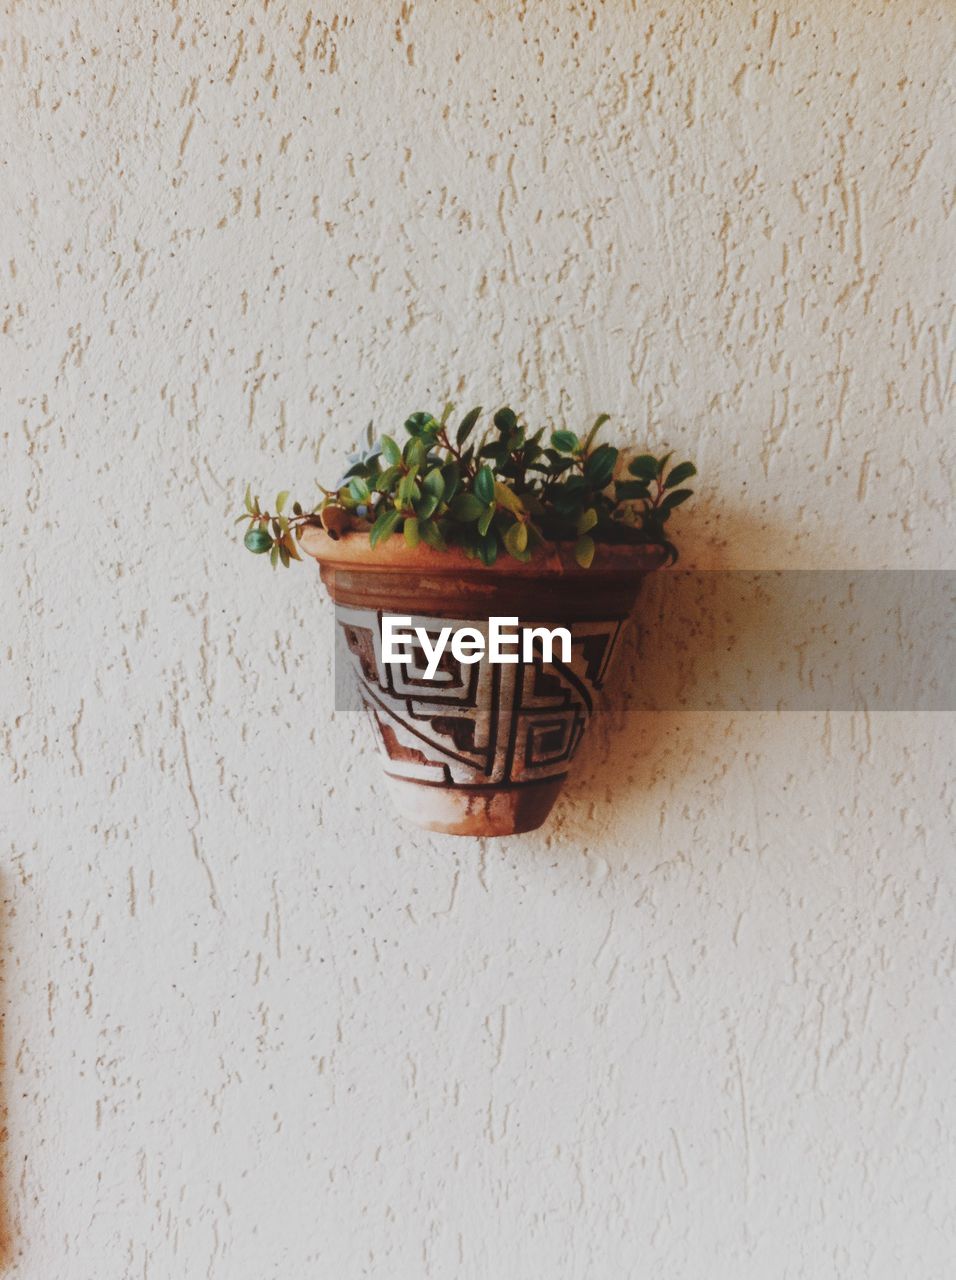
450	528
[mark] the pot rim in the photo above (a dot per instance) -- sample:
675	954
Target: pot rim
353	551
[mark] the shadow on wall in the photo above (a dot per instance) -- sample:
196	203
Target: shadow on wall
624	756
7	1242
795	640
765	640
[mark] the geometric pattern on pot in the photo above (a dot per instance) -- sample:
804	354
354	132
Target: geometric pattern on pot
481	723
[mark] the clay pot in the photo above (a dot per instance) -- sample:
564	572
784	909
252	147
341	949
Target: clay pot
482	749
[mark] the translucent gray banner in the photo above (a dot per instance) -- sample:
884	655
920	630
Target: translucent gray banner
784	640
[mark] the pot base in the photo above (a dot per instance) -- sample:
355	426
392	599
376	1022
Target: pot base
478	810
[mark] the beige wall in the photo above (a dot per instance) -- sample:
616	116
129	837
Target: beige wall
701	1025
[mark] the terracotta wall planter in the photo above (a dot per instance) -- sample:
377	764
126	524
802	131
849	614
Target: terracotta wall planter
482	749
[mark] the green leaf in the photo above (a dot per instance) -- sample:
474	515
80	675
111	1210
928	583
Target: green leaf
467	424
451	474
584	551
419	422
414	453
485	519
569	505
599	422
679	473
408	491
434	483
410	530
281	499
432	535
390	451
488	548
662	463
565	442
556	465
508	499
644	466
484	485
516	539
384	482
359	489
535	537
384	526
600	466
257	540
466	507
674	499
628	490
586	520
274	555
427	507
505	420
284	555
247	500
244	516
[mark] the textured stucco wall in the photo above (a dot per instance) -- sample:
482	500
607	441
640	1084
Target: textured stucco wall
704	1024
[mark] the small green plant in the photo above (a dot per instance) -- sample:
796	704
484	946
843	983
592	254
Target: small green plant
508	492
